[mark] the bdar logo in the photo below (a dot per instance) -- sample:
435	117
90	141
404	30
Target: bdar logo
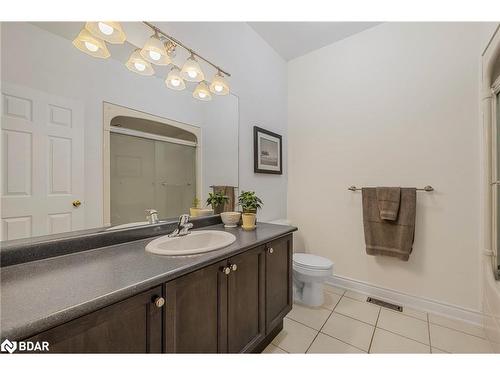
8	346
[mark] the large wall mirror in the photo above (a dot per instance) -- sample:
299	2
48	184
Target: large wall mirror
86	143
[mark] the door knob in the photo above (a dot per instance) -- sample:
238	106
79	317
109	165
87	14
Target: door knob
271	250
159	302
234	267
76	203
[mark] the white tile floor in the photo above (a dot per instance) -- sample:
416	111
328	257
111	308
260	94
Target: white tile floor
346	323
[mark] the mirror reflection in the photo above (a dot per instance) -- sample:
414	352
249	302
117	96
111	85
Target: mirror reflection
87	143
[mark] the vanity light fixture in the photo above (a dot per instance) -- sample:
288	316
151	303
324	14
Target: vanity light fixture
174	80
109	31
219	86
159	49
91	45
191	70
137	64
155	52
201	92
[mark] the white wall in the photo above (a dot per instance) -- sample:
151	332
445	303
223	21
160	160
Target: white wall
396	105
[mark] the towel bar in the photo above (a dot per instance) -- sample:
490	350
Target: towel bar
427	188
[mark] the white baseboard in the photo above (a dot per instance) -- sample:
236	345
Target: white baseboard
418	303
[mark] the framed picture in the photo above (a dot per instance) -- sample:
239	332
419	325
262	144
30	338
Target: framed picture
267	151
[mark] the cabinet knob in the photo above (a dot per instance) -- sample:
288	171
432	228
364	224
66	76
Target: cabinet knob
234	267
226	270
271	250
159	302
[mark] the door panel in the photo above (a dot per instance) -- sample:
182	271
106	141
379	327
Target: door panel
195	316
245	300
42	163
131	326
279	297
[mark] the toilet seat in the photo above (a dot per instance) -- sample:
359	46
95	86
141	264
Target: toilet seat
311	262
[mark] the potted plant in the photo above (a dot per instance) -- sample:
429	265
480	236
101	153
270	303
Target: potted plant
249	203
217	201
196	211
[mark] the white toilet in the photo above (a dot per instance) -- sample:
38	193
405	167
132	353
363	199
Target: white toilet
309	274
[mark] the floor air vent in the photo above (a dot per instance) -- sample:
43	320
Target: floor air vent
387	305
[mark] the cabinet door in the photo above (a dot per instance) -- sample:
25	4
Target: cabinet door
279	297
195	312
245	301
131	326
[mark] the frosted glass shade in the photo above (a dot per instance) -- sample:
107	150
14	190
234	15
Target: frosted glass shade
154	51
174	80
191	71
219	86
91	45
109	31
201	92
137	64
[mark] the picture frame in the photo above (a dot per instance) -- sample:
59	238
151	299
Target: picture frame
267	151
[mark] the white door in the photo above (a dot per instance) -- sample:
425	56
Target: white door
42	163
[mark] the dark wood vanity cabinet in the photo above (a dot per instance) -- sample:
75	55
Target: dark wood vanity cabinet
218	309
235	305
279	290
246	301
230	307
193	313
130	326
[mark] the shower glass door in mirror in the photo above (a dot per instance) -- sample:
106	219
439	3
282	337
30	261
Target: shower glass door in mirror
150	174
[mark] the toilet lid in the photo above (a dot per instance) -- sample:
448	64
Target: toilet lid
312	261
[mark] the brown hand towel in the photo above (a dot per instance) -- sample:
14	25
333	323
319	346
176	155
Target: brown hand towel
388	202
391	238
228	191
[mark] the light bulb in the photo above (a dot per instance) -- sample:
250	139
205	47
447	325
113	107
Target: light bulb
140	67
154	51
105	28
88	43
191	70
174	80
91	46
154	55
219	85
109	31
201	92
137	64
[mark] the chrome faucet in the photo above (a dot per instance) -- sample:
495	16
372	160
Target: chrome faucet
152	216
183	227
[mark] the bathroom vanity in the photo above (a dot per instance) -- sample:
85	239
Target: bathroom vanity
122	299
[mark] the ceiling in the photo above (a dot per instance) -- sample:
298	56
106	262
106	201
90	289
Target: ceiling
294	39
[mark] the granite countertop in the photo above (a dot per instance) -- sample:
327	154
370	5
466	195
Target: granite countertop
41	294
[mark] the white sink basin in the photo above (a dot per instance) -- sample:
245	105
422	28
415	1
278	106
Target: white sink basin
196	242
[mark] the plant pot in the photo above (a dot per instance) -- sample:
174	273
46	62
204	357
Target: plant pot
218	210
230	219
248	221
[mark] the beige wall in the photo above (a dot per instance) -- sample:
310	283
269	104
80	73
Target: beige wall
396	105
